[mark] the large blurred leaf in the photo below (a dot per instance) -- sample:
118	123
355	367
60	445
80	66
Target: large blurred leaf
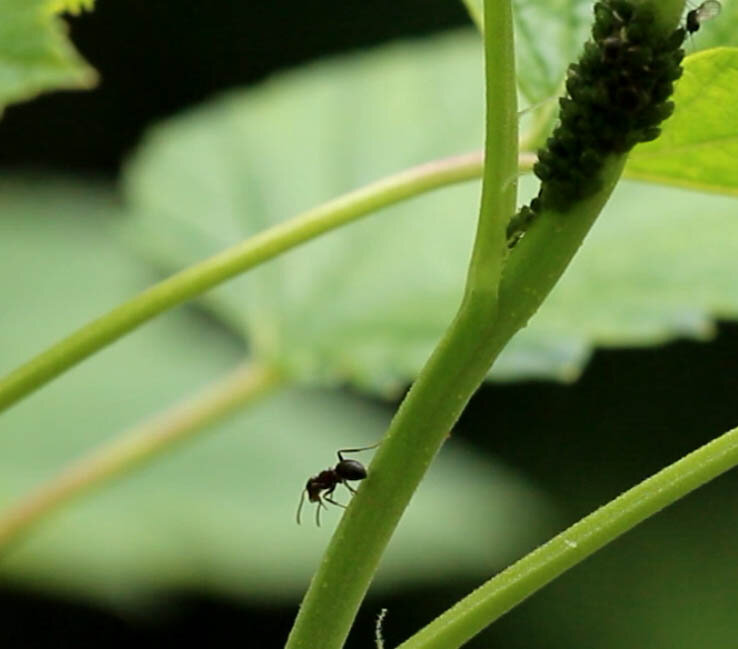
217	514
699	145
367	303
659	263
549	36
35	53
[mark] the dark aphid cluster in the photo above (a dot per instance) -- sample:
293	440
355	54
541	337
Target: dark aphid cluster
617	95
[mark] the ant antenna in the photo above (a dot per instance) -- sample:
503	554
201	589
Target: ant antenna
299	507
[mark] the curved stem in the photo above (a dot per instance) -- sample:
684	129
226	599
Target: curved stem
137	445
202	276
501	593
452	374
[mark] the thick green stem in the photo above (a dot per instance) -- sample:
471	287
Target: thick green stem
197	279
540	258
501	593
455	370
138	445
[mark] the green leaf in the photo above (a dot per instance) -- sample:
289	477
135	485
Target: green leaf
219	513
35	52
549	36
366	304
659	263
72	6
699	144
474	7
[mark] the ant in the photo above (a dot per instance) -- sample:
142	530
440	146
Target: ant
329	479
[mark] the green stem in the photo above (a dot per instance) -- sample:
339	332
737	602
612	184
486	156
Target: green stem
452	374
540	258
138	445
533	268
501	593
202	276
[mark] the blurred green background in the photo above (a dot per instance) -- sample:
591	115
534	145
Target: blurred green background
202	546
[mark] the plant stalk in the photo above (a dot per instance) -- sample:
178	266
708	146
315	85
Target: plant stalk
454	371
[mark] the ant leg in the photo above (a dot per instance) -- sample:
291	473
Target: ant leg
317	512
356	450
299	507
333	502
348	486
328	496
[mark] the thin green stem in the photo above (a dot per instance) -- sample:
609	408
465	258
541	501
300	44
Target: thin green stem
202	276
500	183
452	374
138	445
501	593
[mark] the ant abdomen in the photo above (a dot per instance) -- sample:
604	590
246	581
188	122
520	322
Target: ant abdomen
350	470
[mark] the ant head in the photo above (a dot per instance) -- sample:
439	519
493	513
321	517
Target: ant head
313	489
350	470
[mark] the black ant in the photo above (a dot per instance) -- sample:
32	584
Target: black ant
329	479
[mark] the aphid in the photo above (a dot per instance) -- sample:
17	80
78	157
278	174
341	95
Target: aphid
611	48
623	9
327	481
706	11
